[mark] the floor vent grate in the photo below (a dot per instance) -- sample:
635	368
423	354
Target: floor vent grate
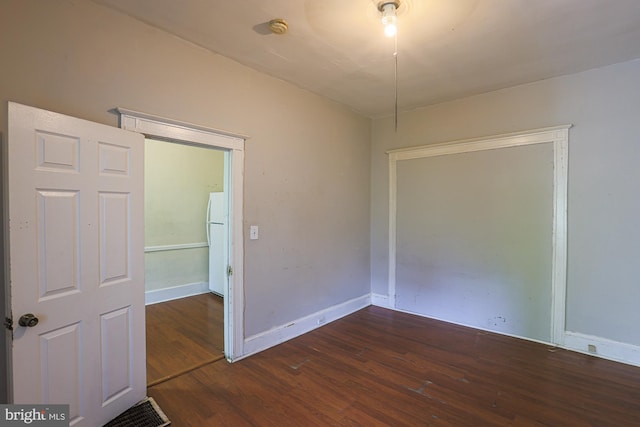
147	413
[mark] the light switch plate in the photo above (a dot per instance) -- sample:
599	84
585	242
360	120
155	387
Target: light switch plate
253	232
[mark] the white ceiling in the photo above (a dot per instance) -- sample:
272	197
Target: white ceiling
448	49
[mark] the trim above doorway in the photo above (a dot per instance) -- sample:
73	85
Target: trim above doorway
183	132
147	123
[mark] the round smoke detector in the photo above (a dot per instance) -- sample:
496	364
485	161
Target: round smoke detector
278	26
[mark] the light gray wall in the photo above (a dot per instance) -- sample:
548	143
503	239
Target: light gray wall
178	181
474	238
307	159
604	181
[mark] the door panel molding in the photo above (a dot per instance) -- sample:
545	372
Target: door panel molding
61	241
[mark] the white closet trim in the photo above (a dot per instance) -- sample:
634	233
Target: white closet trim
559	137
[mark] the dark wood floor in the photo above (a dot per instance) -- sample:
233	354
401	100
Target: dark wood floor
182	335
377	367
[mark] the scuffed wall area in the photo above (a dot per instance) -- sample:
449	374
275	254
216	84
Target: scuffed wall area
474	238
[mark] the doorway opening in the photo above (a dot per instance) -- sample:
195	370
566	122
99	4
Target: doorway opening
232	147
186	256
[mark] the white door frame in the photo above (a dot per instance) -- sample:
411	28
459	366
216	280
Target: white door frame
173	130
559	137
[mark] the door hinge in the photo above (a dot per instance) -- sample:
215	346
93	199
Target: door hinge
229	271
8	323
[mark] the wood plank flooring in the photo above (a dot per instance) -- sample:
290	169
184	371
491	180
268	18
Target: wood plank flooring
182	335
377	367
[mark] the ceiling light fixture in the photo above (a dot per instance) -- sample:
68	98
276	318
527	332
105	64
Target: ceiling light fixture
389	17
389	20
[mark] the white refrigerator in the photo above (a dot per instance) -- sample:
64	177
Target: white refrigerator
217	229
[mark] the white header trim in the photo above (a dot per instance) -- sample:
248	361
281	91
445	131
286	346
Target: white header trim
514	139
161	127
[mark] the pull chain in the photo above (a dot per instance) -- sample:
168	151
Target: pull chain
395	78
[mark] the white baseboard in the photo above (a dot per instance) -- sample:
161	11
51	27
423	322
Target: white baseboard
602	347
168	294
380	300
574	341
277	335
478	328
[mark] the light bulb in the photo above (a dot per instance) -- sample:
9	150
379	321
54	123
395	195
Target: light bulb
389	19
390	30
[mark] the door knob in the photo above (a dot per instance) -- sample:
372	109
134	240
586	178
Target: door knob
28	320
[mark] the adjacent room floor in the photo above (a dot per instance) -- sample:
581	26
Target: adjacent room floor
182	335
378	367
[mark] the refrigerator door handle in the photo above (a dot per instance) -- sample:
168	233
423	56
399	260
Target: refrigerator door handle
206	223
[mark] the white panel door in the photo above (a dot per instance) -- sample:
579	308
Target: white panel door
76	246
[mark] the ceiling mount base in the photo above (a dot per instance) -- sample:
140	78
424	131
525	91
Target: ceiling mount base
382	4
